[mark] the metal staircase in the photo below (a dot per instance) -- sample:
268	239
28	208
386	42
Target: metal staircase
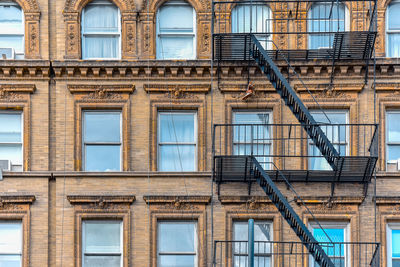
291	99
288	213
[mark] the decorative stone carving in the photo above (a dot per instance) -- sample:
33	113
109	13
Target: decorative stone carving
32	16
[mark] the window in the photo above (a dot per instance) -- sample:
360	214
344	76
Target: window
260	22
393	244
11	139
102	243
329	18
102	140
11	30
393	29
177	244
253	137
10	244
176	27
262	250
177	135
338	233
336	131
101	31
392	139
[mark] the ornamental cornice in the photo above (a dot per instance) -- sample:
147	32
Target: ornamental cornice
226	200
320	88
98	199
96	88
17	88
17	199
177	89
387	86
387	200
327	200
155	199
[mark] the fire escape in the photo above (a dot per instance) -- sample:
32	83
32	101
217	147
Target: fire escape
248	32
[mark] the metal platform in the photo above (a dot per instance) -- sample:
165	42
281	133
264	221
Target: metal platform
351	170
346	46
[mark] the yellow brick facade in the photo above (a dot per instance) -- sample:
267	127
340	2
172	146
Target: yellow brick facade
53	85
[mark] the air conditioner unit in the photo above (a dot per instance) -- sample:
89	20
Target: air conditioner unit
7	53
5	165
393	165
16	167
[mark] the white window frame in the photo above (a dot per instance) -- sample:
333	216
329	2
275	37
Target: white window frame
388	32
4	31
334	225
389	228
268	41
159	53
101	34
270	223
172	253
346	21
347	141
101	143
121	253
265	165
22	135
387	141
195	137
20	253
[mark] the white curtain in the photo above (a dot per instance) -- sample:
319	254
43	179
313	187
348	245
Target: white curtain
101	31
320	22
176	31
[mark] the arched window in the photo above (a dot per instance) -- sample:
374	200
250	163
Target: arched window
176	31
101	31
11	31
393	29
324	19
260	21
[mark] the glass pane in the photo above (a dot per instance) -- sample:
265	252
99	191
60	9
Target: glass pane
395	262
394	18
175	47
10	261
101	18
248	133
262	231
10	130
12	153
393	128
10	238
102	261
336	235
12	41
250	118
11	20
102	126
176	260
260	15
102	158
177	127
173	18
102	237
394	45
176	237
396	243
393	152
101	47
177	158
325	18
